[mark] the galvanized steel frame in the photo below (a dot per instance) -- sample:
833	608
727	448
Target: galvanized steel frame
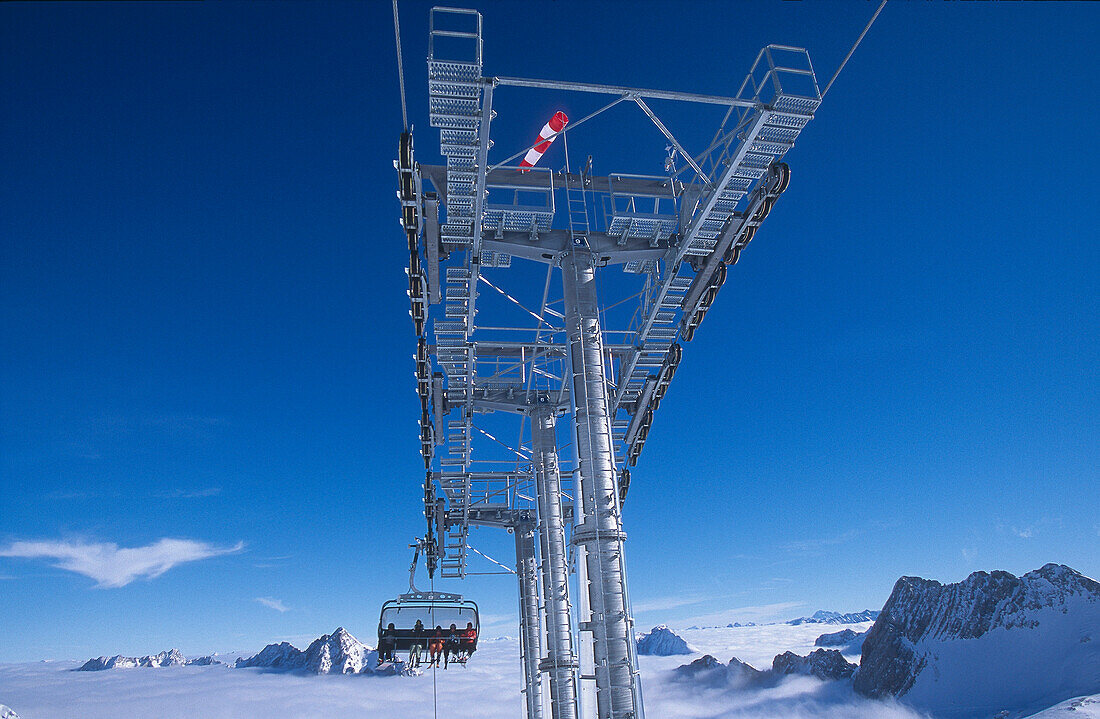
611	378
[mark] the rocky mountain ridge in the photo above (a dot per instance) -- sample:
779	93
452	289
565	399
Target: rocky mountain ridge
825	664
826	617
336	653
982	639
170	658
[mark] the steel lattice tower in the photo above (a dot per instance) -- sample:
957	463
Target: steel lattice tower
602	364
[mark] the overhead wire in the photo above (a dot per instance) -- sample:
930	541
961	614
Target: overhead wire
846	57
400	67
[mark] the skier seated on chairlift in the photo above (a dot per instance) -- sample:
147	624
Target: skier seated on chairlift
387	643
468	640
451	648
417	646
435	646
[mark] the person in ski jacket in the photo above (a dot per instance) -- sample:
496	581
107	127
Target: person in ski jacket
417	645
387	643
435	646
468	638
451	647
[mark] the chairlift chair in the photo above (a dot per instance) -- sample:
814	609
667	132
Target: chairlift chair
432	609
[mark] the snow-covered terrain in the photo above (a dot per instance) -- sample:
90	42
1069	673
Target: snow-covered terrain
992	643
170	658
662	642
826	617
1076	708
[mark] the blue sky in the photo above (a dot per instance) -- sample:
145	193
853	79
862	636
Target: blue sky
206	340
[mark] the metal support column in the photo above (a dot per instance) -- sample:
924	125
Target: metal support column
530	628
560	662
617	691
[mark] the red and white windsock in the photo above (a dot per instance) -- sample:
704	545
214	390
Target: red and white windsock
549	131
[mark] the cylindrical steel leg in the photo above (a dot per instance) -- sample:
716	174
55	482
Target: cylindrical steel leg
601	531
530	629
560	662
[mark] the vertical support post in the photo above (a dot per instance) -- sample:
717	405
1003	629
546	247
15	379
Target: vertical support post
530	628
600	533
586	678
560	662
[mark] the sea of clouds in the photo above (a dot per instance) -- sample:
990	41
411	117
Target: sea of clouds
491	682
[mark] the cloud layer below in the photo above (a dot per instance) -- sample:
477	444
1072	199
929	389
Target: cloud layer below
113	566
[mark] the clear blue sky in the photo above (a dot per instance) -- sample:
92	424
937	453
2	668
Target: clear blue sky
205	333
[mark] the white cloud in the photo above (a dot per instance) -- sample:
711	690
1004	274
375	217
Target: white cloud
191	493
273	603
489	689
1025	533
661	604
113	566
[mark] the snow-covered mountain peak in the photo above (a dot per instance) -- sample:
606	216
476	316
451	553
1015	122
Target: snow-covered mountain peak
1031	636
662	642
336	653
170	658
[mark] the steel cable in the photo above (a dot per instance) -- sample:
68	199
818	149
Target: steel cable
400	67
846	57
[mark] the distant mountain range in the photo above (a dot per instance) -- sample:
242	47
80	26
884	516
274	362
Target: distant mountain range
821	616
826	664
170	658
825	617
336	653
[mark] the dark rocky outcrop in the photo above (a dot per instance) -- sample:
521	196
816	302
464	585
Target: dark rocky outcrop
821	663
836	639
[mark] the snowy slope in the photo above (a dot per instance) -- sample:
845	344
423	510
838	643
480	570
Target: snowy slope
283	655
1076	708
991	643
